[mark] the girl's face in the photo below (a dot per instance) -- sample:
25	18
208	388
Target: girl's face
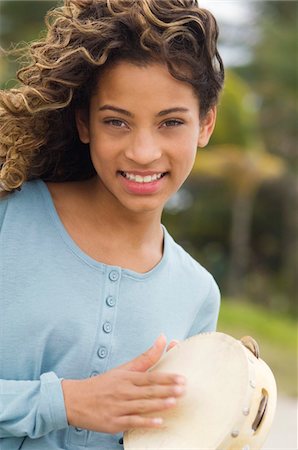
143	130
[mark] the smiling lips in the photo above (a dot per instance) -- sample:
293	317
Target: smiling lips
147	183
143	179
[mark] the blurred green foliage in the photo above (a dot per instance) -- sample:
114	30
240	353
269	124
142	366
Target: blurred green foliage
276	335
237	122
20	22
237	213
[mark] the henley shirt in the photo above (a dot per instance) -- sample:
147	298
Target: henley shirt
66	315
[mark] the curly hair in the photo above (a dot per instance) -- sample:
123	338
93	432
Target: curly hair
38	135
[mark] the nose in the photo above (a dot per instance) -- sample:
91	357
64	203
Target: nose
143	148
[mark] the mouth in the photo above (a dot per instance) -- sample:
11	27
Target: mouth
137	178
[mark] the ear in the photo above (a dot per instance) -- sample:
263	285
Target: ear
207	127
82	123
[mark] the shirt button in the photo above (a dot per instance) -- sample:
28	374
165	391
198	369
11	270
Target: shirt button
107	327
78	430
111	301
94	374
102	353
113	275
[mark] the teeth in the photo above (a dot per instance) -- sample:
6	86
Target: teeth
140	179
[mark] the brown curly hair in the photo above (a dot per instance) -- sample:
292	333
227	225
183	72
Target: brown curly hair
38	135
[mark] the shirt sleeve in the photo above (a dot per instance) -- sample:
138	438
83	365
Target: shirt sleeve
206	319
3	207
31	408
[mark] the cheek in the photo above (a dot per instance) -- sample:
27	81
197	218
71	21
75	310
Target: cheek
187	150
100	147
101	158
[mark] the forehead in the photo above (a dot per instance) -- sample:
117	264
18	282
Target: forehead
128	82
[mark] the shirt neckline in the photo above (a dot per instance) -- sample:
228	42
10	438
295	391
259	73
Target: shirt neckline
49	203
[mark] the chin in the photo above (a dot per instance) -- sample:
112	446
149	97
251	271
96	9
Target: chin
144	206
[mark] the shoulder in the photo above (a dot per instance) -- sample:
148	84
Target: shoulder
190	273
3	206
28	191
179	257
12	204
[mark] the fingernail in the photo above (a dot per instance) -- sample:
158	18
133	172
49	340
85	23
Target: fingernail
157	420
170	401
180	379
179	389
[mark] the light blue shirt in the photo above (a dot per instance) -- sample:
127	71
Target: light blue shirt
66	315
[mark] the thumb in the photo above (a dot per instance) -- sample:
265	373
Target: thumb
147	359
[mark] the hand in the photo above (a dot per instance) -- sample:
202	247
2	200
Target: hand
116	400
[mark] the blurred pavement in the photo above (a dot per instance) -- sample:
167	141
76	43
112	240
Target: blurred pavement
283	434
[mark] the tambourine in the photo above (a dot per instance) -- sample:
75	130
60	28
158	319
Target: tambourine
229	403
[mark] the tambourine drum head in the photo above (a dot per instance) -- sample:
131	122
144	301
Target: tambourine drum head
215	366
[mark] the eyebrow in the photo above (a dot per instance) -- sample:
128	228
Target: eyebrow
129	114
114	108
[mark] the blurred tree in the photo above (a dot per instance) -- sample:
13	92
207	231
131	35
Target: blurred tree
238	157
20	22
244	171
237	122
273	74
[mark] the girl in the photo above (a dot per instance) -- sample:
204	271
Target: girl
102	130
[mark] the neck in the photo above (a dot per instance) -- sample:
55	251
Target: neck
132	229
106	230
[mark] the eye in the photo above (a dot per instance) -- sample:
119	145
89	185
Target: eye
116	123
172	123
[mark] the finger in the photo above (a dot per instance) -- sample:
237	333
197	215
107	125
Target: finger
172	344
147	406
134	421
155	392
147	359
156	378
